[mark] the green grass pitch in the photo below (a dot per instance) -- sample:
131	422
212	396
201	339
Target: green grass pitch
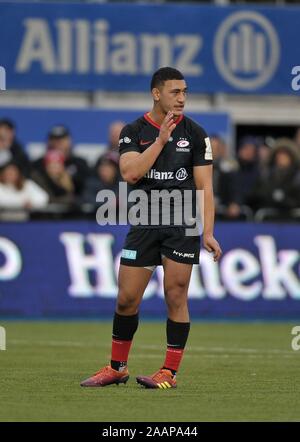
230	372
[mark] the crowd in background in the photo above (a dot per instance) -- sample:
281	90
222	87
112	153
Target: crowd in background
261	181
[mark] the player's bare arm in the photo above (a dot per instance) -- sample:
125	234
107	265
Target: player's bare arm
203	181
134	165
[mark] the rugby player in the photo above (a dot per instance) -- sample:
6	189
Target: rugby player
163	149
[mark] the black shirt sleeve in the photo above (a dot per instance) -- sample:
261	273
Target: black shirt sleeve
202	152
128	140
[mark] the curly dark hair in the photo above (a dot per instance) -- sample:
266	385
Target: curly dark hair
164	74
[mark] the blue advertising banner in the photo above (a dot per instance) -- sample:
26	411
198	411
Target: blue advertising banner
116	47
69	269
89	128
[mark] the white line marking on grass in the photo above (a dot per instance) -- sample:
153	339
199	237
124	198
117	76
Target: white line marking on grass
230	351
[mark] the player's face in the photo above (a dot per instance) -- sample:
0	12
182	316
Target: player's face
172	96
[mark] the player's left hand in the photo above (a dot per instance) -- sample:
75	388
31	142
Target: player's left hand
211	245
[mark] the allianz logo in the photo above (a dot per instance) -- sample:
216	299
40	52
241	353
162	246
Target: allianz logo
180	175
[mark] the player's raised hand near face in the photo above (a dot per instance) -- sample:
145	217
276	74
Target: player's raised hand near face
166	128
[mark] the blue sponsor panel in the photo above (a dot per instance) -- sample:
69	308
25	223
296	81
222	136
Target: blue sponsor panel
90	127
116	47
69	269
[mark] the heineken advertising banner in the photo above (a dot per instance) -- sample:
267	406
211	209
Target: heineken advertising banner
69	269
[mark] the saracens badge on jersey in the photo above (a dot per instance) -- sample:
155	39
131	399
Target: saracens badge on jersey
183	143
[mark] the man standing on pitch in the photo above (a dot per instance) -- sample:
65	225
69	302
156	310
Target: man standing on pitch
163	150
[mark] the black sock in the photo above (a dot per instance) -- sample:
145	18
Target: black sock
124	328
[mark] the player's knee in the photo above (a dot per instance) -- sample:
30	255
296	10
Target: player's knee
176	295
126	302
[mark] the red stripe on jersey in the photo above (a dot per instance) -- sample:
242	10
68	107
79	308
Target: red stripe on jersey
149	119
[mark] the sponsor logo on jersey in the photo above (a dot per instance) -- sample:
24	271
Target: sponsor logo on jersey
143	142
129	254
157	175
208	149
183	255
181	174
124	140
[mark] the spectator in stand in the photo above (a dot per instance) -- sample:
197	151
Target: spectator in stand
114	135
18	192
297	139
279	188
59	139
264	153
9	143
247	174
223	172
106	176
55	179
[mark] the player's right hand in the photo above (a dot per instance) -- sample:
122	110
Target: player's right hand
166	128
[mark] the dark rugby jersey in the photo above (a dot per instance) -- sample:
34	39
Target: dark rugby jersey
188	146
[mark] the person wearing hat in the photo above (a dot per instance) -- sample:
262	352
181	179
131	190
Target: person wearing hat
55	179
59	140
